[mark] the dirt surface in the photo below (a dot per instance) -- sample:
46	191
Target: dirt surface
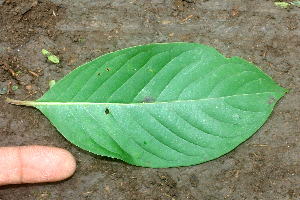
266	166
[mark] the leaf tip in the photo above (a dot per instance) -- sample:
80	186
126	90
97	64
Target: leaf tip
287	90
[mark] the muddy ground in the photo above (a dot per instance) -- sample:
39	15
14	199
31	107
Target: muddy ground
264	167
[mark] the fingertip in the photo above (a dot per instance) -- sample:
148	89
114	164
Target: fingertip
66	166
46	164
35	164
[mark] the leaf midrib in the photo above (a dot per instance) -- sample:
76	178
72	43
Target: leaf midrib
35	103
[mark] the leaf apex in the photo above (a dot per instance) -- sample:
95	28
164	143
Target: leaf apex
286	90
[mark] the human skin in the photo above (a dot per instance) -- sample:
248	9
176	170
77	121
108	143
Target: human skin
35	164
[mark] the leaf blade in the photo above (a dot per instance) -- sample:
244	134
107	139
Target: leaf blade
199	104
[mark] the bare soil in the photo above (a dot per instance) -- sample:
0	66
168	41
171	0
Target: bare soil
264	167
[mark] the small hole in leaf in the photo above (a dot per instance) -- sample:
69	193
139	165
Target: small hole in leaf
107	111
99	74
107	69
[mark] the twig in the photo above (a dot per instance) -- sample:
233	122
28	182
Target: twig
187	18
8	87
33	73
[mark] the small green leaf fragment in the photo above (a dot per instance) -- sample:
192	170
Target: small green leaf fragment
281	4
50	56
14	88
296	3
53	59
45	52
3	90
51	83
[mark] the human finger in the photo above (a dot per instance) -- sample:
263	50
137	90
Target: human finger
35	164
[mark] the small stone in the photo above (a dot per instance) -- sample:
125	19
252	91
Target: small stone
158	1
28	87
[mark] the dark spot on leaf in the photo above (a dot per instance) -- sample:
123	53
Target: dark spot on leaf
107	111
148	100
107	69
271	100
99	74
145	142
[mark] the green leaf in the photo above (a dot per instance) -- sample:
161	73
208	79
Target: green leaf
50	56
52	83
281	4
3	90
296	3
14	88
45	52
161	105
53	59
